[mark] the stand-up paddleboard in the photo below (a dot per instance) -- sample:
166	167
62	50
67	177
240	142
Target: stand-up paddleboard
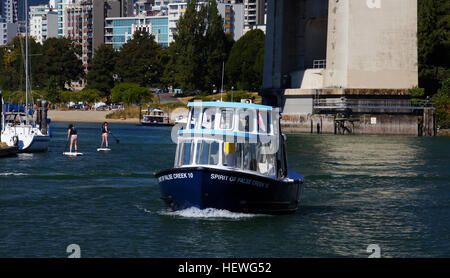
103	149
72	153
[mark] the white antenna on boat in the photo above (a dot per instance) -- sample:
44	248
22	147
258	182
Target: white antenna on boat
26	61
223	71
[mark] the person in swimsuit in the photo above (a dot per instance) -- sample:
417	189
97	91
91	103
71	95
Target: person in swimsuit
72	135
105	133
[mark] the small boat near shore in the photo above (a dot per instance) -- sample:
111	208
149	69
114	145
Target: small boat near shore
17	129
231	156
155	117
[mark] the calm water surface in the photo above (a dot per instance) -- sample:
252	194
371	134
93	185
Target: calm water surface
359	190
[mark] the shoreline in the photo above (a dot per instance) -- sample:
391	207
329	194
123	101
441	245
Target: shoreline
90	116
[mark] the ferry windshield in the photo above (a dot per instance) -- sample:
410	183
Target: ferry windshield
207	152
186	151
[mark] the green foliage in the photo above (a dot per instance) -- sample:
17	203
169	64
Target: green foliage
245	65
69	96
53	92
12	64
139	60
60	61
417	92
131	93
433	43
199	50
102	70
441	102
89	95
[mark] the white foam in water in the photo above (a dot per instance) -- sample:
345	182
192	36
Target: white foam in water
13	174
194	212
144	209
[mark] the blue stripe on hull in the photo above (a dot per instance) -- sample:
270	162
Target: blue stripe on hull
233	191
39	144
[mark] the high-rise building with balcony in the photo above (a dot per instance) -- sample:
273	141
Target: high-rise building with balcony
121	29
85	23
43	23
233	16
254	11
119	8
7	31
9	10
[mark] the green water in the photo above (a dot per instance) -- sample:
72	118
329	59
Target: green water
359	190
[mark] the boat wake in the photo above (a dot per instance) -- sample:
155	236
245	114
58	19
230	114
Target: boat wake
13	174
209	213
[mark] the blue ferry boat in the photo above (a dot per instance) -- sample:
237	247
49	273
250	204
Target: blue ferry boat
231	156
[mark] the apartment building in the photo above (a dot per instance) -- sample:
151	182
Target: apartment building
43	23
9	10
120	8
233	15
7	31
121	29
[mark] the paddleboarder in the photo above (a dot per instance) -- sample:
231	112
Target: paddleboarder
73	137
105	133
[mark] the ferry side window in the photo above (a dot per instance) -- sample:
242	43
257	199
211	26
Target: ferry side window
209	116
226	119
195	117
250	162
263	123
266	162
239	155
244	120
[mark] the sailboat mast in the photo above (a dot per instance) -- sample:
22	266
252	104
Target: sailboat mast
26	61
223	72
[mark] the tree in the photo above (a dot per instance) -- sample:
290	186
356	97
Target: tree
12	65
199	50
89	95
244	67
188	48
60	60
131	93
53	93
442	104
139	60
69	96
102	70
433	43
216	47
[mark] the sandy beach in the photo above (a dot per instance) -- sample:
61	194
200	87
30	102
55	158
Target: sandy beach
86	117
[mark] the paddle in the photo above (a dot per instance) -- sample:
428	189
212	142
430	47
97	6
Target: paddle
117	140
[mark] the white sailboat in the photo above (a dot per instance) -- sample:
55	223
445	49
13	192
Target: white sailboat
17	127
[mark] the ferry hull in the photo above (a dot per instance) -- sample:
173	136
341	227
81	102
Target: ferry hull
230	190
